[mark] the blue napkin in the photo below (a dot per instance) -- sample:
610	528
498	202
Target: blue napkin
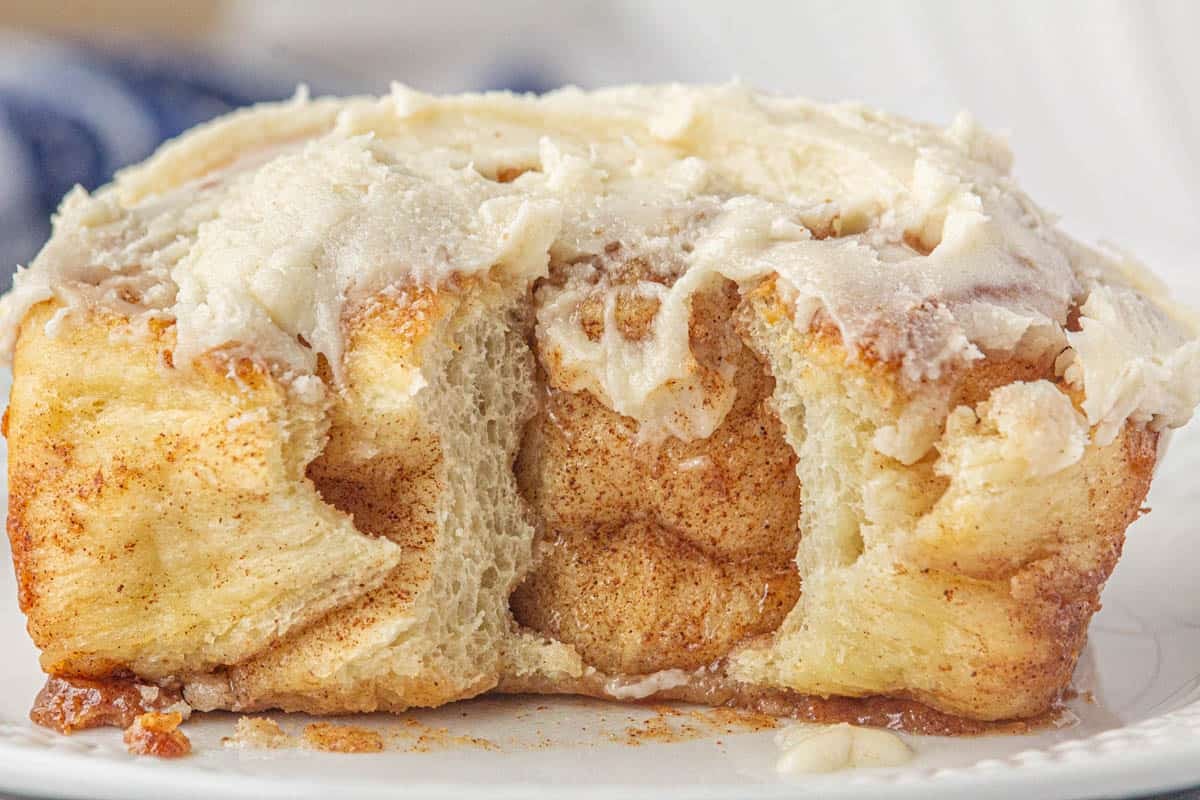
73	114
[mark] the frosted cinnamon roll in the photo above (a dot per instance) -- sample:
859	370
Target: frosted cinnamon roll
652	392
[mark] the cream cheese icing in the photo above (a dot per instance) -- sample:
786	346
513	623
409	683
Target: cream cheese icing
261	229
809	749
1030	430
650	684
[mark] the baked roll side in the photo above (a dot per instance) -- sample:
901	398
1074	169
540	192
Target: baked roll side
160	519
438	388
964	579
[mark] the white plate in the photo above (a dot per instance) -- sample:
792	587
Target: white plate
1140	735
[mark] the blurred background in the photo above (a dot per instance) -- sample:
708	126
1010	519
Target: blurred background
1101	99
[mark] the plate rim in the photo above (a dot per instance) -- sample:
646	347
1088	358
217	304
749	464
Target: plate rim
1158	754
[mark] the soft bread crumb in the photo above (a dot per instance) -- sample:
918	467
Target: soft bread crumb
342	738
258	732
965	579
432	474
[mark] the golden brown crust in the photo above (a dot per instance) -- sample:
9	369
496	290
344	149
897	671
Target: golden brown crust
146	503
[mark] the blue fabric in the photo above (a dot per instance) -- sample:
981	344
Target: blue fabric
72	114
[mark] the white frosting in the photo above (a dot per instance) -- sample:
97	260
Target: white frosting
621	689
919	426
1023	430
828	748
1132	363
261	229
